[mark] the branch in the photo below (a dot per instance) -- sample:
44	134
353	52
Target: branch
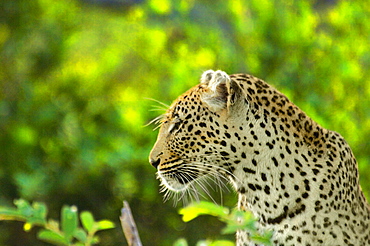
129	226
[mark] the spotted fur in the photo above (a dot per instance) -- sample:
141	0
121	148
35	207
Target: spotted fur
300	179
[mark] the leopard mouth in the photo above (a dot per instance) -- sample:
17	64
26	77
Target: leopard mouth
177	181
174	183
177	177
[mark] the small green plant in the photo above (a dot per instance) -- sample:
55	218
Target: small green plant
235	220
66	232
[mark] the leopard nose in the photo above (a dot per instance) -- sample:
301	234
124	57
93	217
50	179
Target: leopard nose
154	162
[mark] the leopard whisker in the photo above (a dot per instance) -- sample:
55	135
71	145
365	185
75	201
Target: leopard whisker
195	168
164	105
214	169
157	121
204	181
207	177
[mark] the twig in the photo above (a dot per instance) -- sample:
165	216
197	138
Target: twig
129	226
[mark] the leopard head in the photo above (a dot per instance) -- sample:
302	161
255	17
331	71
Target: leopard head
192	143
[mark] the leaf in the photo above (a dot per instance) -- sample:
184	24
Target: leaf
38	217
236	220
104	225
222	243
52	225
181	242
11	214
240	220
80	235
69	221
94	240
230	229
87	220
24	207
32	215
39	211
202	208
264	239
215	243
52	237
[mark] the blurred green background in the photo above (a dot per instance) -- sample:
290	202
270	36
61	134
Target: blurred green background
75	77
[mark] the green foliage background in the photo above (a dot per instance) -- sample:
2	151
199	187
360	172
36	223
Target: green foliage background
75	75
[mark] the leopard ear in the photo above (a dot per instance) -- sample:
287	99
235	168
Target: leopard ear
220	93
207	77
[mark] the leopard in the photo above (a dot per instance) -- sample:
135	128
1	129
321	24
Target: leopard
299	179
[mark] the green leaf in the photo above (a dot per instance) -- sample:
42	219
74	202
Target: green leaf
181	242
94	240
202	208
230	229
52	225
80	235
87	220
35	214
240	220
24	207
38	217
69	221
52	237
222	243
236	220
264	239
104	225
11	214
39	211
215	243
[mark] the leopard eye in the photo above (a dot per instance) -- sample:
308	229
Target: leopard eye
174	125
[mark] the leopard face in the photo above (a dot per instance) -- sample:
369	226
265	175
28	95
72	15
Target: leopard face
300	179
192	141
